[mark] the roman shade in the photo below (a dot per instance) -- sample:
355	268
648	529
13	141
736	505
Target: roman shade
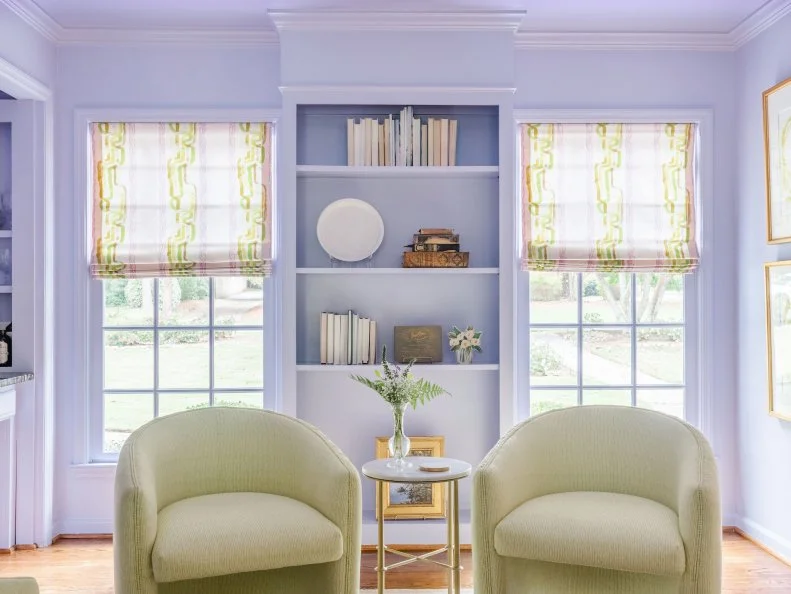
181	199
608	197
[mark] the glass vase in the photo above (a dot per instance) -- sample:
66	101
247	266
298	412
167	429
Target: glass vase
398	444
464	356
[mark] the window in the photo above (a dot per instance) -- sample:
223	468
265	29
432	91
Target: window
181	246
609	246
202	345
607	338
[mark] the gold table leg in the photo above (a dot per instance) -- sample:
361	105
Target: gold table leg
380	548
456	539
450	536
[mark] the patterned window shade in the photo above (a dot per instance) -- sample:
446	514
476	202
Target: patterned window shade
181	199
608	197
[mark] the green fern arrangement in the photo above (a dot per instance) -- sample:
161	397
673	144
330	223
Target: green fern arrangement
397	386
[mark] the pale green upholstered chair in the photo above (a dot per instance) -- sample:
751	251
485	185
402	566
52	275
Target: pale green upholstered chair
598	499
235	501
22	585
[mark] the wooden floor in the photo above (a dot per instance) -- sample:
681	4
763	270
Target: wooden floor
85	567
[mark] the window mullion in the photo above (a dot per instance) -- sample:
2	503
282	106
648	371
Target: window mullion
580	338
211	341
633	339
156	347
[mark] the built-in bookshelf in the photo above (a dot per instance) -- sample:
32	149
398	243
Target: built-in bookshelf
465	197
5	225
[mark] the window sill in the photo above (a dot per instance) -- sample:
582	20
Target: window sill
96	470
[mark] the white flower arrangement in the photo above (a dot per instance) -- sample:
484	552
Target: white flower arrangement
465	340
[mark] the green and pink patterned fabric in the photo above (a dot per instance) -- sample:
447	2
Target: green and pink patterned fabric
181	199
608	197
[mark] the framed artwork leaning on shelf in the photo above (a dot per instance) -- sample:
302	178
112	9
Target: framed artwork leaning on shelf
413	501
778	337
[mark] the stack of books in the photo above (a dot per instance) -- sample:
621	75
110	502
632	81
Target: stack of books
347	339
403	140
435	248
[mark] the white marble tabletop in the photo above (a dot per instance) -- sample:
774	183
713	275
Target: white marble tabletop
411	473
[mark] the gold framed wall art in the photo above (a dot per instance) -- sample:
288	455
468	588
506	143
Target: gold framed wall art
778	337
411	501
777	152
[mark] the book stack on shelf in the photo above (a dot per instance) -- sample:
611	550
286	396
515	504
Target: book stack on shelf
436	248
402	141
347	339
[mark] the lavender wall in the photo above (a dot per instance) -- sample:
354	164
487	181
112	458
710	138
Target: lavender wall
665	79
764	442
25	48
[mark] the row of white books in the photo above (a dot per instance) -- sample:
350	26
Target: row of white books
403	141
347	339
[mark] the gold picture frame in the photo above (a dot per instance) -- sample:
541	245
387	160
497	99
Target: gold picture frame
778	337
410	501
777	155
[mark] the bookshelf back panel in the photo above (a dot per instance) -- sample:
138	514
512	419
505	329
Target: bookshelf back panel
321	130
400	300
353	416
466	204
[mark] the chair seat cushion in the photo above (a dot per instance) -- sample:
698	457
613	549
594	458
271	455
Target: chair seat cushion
605	530
18	586
228	533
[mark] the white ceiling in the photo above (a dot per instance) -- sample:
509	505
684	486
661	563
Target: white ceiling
661	16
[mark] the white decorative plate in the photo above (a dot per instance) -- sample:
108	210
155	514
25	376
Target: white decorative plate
350	230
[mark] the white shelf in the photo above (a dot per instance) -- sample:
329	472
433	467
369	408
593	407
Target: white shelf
421	367
6	289
5	234
402	271
369	171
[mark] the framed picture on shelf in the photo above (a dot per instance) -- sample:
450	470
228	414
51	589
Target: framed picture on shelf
410	501
778	337
777	148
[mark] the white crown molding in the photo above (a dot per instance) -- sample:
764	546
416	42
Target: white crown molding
20	85
760	21
624	41
224	37
30	13
347	20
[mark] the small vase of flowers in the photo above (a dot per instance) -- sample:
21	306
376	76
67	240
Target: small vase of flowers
464	343
399	388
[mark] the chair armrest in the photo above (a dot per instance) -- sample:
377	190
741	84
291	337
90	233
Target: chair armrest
135	523
700	521
23	585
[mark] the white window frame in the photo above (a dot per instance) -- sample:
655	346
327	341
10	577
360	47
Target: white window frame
698	287
88	381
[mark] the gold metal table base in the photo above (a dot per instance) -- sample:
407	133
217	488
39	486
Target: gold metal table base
452	547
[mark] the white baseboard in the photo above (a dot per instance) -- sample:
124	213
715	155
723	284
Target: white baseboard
83	526
774	543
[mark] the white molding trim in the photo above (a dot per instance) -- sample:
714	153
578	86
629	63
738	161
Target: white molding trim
777	544
21	85
407	95
224	37
31	14
759	21
84	526
370	20
714	42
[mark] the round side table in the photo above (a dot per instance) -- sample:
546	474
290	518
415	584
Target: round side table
379	471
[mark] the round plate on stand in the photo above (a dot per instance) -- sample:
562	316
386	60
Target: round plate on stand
350	230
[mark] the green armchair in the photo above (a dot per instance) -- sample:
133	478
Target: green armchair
235	501
23	585
596	499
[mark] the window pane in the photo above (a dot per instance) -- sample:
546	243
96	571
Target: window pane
184	301
123	413
128	360
660	355
553	357
667	401
553	297
238	301
128	302
620	397
239	399
173	402
660	298
184	359
546	400
607	357
239	359
607	298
